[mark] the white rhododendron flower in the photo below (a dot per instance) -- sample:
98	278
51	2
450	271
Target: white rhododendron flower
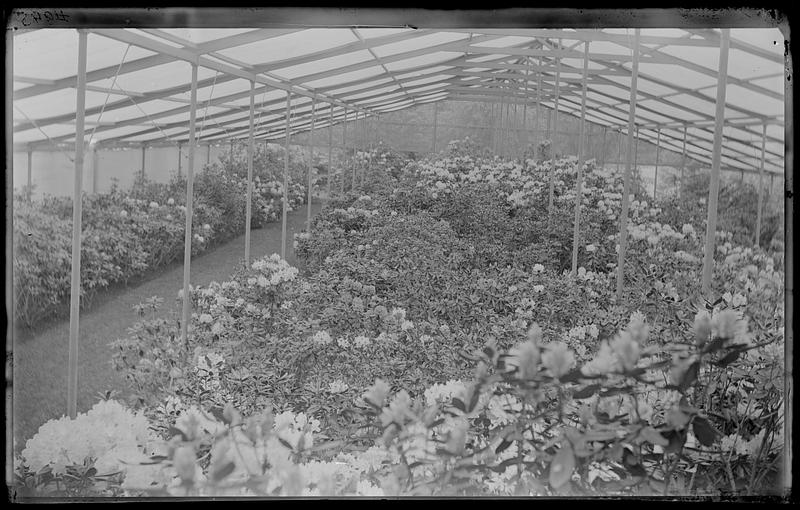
338	386
171	201
322	338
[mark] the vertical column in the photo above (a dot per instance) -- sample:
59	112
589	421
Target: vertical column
603	148
370	148
435	122
180	157
683	158
655	175
75	283
286	173
537	124
757	240
144	149
713	193
187	244
355	151
619	149
311	162
514	129
208	154
330	152
250	149
30	175
525	135
501	123
581	149
344	149
623	217
553	139
95	167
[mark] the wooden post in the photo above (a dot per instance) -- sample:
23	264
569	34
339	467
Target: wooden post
619	148
30	175
525	134
500	125
330	153
370	148
180	156
636	153
538	123
494	135
208	154
187	244
75	283
286	173
250	149
655	176
713	193
95	167
514	129
144	148
603	148
581	149
311	162
435	122
344	148
355	151
553	141
623	217
757	240
507	135
683	158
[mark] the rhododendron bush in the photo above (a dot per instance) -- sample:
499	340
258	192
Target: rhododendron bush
434	342
127	233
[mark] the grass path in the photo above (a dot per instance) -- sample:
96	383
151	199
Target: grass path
40	356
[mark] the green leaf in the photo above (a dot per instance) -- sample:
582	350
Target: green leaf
653	436
705	432
728	358
562	466
689	377
574	375
224	471
459	404
174	431
504	444
476	393
677	438
714	345
586	392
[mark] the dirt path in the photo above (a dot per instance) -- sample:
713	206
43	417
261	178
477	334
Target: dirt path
40	357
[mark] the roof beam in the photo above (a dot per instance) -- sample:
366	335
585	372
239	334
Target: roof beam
564	53
669	59
713	37
587	35
458	46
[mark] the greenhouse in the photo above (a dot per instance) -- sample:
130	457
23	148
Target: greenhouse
318	257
